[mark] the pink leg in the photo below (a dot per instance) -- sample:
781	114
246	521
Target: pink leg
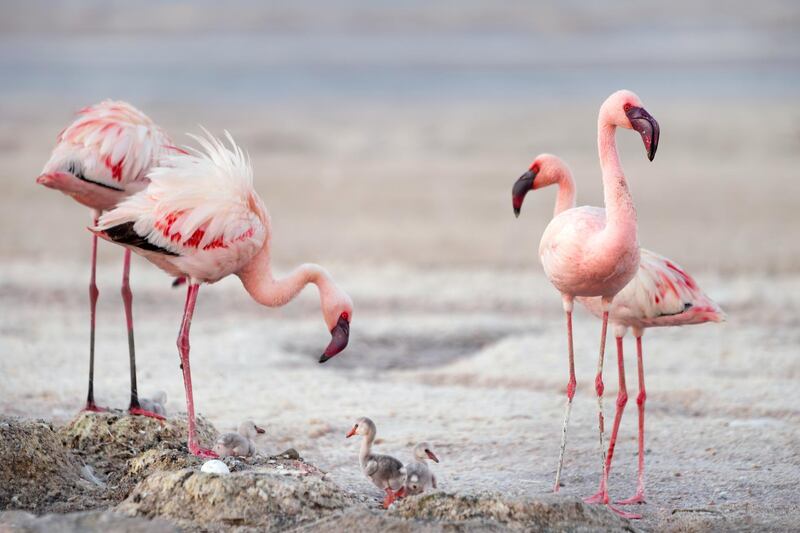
622	400
127	299
93	294
183	349
389	499
570	394
640	400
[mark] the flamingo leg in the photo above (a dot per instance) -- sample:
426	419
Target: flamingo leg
127	298
183	350
570	394
389	499
622	400
640	400
93	294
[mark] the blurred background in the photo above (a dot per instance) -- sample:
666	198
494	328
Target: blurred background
385	138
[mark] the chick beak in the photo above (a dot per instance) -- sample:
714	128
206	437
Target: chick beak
432	456
340	335
350	433
520	189
260	430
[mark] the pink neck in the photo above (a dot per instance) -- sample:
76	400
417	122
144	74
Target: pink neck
259	282
565	199
620	212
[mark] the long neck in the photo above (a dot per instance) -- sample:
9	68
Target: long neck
565	199
366	447
620	212
262	286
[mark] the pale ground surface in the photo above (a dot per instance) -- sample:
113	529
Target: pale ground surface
389	157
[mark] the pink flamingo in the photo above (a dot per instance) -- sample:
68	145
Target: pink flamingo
591	251
660	294
99	159
201	218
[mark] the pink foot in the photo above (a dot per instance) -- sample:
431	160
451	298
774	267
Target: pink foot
600	497
138	411
93	408
624	514
639	498
202	453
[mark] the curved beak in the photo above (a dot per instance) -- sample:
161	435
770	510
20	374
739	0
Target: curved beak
350	433
521	188
260	430
646	125
432	456
340	334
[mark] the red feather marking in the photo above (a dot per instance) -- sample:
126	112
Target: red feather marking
164	225
686	277
175	237
669	282
194	240
246	235
658	300
216	243
179	150
116	168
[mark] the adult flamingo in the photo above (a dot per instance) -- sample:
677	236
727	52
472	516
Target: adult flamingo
201	218
99	159
660	294
591	251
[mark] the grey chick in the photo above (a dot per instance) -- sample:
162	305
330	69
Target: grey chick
238	444
156	403
418	476
386	472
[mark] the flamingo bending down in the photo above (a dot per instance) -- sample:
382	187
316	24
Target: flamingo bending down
591	251
98	160
660	294
201	218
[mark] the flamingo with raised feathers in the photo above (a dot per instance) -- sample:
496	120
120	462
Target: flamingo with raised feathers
592	251
201	218
661	294
100	159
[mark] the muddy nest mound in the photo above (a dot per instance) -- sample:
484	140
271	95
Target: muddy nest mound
83	522
37	473
545	513
277	494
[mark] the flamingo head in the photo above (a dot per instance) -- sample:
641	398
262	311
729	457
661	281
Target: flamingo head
423	452
362	426
625	109
338	313
545	170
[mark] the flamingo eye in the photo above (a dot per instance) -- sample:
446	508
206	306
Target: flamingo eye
627	107
346	315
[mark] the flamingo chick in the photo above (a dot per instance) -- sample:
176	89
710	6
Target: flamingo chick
157	403
591	251
386	472
418	476
660	294
100	159
240	444
201	218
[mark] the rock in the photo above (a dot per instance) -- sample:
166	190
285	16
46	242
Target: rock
37	473
263	497
544	513
83	522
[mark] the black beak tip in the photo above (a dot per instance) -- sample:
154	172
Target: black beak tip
323	358
516	212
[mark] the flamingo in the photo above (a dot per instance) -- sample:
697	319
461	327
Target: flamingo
100	159
591	251
200	218
660	294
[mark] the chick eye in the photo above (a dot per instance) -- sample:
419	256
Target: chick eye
356	426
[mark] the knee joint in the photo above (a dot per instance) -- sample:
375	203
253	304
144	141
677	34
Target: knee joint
641	398
622	399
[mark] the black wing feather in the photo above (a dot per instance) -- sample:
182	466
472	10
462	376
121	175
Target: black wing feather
124	234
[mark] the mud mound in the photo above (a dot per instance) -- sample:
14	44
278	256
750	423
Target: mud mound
37	473
275	496
92	521
546	513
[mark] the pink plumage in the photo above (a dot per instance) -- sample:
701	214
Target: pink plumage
98	160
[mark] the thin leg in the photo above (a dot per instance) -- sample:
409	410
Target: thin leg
183	350
127	299
93	294
640	400
570	394
389	499
622	400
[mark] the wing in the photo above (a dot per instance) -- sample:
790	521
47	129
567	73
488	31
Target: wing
371	467
195	202
111	144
